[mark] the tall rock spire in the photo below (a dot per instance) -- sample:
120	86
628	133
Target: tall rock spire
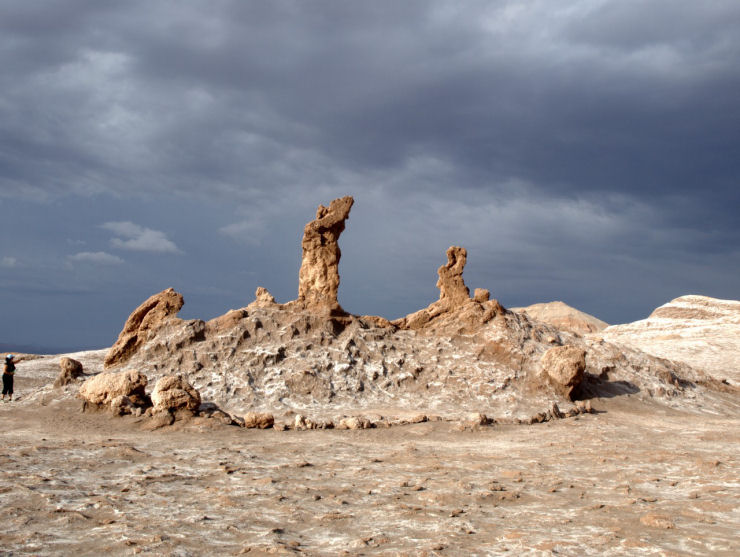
318	279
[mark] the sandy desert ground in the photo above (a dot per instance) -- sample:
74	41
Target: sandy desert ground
635	478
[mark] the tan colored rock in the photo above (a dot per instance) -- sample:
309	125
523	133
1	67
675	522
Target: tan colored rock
564	317
301	423
355	422
584	406
555	412
226	322
71	370
451	285
258	420
481	295
477	418
104	387
655	520
121	405
174	392
142	324
455	311
215	414
564	366
319	274
262	298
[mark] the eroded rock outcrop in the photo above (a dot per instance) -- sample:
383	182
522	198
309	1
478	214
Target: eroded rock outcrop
173	393
452	289
71	370
460	353
142	324
103	388
263	298
318	278
258	420
564	367
455	310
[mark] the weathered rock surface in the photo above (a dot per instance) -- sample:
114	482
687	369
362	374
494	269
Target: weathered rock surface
263	298
458	355
172	393
142	324
564	366
355	422
71	370
121	405
259	420
101	389
564	317
699	331
318	278
455	311
452	289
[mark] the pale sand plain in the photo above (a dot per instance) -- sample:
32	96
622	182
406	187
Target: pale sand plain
636	478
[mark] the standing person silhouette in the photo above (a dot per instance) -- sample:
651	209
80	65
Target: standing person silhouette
8	373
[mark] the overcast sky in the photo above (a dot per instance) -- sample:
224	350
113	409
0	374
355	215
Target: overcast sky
584	151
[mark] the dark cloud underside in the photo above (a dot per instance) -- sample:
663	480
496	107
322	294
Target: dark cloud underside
585	151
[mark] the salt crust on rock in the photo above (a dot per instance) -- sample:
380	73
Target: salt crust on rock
700	331
458	355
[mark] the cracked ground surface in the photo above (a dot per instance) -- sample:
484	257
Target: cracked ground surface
635	478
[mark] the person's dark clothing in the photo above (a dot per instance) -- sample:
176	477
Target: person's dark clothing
8	378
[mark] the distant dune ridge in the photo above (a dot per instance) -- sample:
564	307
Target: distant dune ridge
700	331
564	317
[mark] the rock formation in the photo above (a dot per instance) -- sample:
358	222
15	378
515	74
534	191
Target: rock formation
262	298
563	317
102	389
172	393
458	355
318	278
71	370
564	367
700	331
142	325
454	310
452	289
258	420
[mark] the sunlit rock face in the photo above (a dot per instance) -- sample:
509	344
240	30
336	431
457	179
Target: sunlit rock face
143	324
318	278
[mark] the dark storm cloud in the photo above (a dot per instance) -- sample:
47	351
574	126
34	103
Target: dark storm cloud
621	97
571	141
